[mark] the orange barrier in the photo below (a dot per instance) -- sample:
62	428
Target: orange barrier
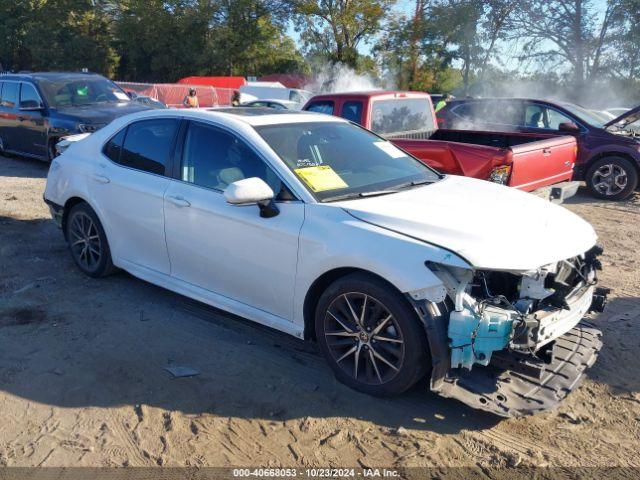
172	94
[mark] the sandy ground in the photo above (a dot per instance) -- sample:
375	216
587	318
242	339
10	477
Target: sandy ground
82	379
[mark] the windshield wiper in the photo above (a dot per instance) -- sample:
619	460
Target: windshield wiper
348	196
415	183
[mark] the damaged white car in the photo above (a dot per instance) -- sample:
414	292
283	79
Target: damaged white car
316	227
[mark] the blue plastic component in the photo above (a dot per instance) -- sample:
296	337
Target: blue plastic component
474	338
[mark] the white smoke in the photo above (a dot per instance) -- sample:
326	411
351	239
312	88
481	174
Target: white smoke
341	78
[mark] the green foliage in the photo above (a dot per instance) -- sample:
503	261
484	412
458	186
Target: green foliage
55	35
149	40
335	28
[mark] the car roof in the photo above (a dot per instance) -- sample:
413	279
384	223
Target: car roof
253	116
47	75
369	94
268	116
273	100
512	99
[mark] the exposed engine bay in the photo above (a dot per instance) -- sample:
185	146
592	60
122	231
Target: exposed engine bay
515	324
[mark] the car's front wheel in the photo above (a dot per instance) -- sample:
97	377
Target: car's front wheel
612	178
370	336
88	242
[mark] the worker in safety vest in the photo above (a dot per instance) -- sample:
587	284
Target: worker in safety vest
235	99
191	100
443	102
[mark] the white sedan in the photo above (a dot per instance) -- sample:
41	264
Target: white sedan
321	229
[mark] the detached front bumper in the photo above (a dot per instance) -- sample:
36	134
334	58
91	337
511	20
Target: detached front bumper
517	382
514	392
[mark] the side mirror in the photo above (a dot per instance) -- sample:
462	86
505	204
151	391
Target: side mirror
30	105
568	127
252	191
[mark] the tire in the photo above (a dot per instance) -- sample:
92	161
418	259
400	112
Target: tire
87	242
612	178
356	351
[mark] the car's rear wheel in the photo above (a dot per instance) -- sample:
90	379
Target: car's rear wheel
370	336
612	178
88	242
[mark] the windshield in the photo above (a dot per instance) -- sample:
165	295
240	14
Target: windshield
81	91
584	115
336	160
401	115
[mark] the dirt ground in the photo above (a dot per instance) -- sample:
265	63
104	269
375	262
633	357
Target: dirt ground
82	379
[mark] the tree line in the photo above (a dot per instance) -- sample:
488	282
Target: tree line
434	45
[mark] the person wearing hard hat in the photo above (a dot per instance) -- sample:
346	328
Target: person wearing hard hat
191	100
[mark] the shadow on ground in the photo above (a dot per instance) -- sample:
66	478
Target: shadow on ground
618	363
22	167
72	341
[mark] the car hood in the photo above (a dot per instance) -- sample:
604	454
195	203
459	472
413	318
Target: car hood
491	226
629	117
101	113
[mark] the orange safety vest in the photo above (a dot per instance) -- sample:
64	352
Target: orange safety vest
192	102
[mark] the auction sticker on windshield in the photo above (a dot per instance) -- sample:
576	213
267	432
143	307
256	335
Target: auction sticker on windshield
321	178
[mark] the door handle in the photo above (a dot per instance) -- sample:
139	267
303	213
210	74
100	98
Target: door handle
179	201
100	178
546	152
22	119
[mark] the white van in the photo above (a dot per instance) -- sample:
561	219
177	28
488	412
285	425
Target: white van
274	91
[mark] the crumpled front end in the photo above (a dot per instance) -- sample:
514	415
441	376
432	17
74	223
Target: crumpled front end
514	343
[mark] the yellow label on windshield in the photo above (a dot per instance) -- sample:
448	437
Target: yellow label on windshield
321	178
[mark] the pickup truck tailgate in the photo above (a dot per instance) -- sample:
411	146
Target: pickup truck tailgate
542	163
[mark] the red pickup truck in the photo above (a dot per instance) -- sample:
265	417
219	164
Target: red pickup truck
527	161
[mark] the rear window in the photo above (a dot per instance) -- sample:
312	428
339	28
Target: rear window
321	107
9	94
401	115
147	145
491	115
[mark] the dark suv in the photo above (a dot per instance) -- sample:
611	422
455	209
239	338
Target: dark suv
608	152
36	109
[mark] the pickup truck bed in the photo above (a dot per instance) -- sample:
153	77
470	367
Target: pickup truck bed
527	161
536	160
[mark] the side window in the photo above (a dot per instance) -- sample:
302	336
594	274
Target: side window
295	96
9	94
321	107
147	145
28	96
213	158
113	147
541	116
534	117
555	118
352	111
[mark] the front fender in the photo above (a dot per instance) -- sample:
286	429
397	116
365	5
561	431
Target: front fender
331	239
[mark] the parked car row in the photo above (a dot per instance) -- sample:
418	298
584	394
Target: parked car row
317	227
